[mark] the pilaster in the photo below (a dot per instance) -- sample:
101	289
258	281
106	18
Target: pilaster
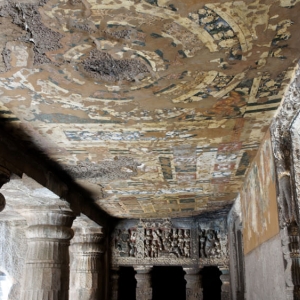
46	271
144	284
225	288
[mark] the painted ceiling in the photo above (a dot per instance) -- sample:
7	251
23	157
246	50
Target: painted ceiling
156	106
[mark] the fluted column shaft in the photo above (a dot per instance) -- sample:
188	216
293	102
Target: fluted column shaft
46	271
86	266
143	286
225	288
193	284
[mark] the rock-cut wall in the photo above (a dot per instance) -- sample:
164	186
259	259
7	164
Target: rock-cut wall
13	248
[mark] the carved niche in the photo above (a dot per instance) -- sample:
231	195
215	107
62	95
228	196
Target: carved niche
210	246
125	242
213	243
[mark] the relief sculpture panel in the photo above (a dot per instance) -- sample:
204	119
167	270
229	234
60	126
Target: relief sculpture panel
164	243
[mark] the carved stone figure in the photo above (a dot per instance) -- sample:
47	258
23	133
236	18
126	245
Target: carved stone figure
154	249
180	240
122	242
167	239
174	244
148	235
132	245
156	237
147	248
163	242
210	244
202	243
187	249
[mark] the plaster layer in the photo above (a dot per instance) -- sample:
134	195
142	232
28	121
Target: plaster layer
264	271
185	90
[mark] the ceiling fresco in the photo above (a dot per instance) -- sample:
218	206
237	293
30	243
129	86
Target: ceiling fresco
156	106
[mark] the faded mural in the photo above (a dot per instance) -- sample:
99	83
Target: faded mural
158	107
258	199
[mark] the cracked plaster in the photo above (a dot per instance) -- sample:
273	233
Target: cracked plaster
191	115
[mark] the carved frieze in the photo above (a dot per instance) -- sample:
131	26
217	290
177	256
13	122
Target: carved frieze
163	243
153	242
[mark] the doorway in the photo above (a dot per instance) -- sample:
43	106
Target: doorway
168	283
211	283
127	283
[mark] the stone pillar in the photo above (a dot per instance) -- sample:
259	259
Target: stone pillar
193	284
86	272
4	178
46	270
143	286
225	288
114	283
294	252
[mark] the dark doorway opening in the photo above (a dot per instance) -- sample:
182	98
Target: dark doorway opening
127	283
168	283
211	283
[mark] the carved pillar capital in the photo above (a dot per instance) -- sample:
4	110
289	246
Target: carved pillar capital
46	271
143	286
86	260
193	284
4	178
89	243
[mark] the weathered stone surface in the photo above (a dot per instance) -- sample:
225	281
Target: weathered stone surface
143	283
46	269
13	247
4	178
265	271
87	265
189	242
193	284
